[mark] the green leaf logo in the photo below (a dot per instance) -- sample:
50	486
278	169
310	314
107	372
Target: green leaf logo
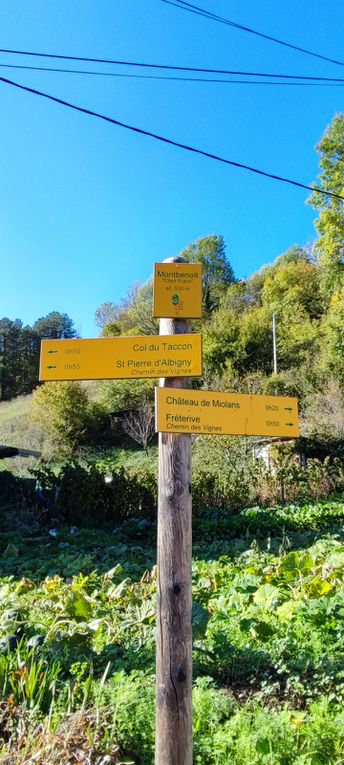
175	299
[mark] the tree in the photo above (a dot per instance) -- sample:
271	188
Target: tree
10	361
238	341
139	425
293	287
134	315
20	349
62	410
140	309
323	416
117	395
55	326
218	274
330	223
295	254
333	337
105	314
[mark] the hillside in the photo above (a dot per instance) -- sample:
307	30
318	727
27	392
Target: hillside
17	430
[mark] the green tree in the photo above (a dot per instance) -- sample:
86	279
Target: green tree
333	337
240	341
291	290
134	314
55	326
62	409
29	350
238	335
218	274
10	361
292	286
119	395
330	224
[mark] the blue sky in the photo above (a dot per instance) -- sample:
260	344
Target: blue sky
86	208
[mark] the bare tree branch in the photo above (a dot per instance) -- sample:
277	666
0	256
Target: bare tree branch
139	425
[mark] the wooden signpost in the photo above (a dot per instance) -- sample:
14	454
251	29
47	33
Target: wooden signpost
173	742
175	356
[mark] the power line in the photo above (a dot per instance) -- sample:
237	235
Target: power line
141	64
336	82
197	10
168	141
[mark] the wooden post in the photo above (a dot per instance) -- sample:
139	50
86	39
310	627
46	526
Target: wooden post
174	627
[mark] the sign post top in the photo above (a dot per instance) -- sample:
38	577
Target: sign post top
177	290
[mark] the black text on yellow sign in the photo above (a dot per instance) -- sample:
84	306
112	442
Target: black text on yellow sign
210	412
177	290
121	357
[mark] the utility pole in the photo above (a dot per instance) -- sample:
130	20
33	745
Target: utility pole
173	744
274	342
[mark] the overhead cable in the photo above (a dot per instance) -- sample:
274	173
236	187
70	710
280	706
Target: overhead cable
168	141
335	83
172	67
197	10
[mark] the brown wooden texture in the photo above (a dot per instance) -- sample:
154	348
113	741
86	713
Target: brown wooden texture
174	627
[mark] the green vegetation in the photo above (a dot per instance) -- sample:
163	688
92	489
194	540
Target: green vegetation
303	288
77	541
20	348
77	620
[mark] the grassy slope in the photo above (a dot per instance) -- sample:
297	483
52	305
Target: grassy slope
17	430
14	420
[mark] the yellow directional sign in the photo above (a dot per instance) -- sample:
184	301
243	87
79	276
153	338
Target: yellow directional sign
121	357
177	290
186	411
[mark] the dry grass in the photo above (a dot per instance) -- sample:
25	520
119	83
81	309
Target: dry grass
79	739
17	430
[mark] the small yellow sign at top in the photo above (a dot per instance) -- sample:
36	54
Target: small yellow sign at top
177	290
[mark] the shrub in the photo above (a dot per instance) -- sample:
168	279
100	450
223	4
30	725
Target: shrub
83	496
62	410
11	490
93	495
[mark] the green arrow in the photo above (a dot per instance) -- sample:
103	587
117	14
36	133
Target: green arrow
290	424
51	367
52	351
287	408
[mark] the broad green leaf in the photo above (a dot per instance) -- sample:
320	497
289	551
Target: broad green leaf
200	618
114	571
319	587
266	597
263	746
78	606
306	564
115	592
262	630
246	624
290	564
286	611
